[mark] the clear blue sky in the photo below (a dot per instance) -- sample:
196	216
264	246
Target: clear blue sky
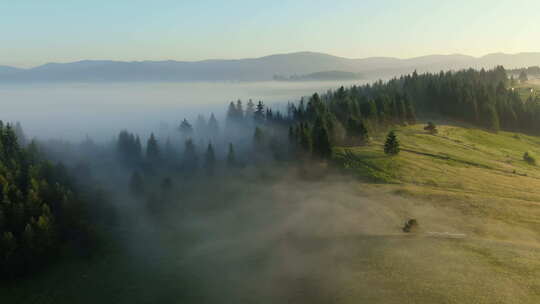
33	32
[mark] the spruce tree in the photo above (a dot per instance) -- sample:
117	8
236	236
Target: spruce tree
250	111
152	149
213	126
363	134
410	116
306	141
190	161
259	114
391	146
321	141
185	129
239	111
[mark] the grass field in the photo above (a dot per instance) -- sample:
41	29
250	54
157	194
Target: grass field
336	239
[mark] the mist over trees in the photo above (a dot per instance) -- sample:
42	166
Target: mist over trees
43	206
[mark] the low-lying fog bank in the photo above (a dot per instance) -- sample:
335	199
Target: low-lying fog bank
71	111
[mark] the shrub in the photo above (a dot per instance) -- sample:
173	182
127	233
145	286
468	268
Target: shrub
410	225
431	128
529	158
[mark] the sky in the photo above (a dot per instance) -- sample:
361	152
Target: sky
34	32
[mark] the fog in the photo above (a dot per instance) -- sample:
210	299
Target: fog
71	111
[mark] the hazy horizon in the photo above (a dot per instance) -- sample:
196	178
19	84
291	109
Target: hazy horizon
273	54
135	30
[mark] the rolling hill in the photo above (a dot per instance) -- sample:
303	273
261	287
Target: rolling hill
255	69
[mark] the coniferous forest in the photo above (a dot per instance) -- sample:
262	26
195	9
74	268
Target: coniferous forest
52	202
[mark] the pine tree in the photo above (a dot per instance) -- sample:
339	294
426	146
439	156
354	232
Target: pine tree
259	113
250	111
306	141
410	116
363	134
321	141
186	129
213	126
391	146
210	160
239	111
232	114
190	156
152	149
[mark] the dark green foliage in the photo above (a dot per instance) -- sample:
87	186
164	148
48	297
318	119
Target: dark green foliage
152	149
391	146
40	210
129	148
410	116
250	111
304	136
259	115
186	129
357	132
190	159
321	140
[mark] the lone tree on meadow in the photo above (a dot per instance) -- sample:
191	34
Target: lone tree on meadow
391	146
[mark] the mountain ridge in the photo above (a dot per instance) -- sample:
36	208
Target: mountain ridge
256	69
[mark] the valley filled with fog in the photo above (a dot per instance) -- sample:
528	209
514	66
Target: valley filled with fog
71	111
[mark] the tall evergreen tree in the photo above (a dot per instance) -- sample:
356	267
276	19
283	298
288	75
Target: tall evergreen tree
391	146
190	161
186	129
410	116
259	115
213	126
250	110
210	160
152	149
321	140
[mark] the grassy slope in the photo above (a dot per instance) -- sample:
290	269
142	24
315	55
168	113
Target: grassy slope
481	176
336	240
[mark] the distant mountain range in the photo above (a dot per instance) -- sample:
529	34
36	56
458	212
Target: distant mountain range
321	76
256	69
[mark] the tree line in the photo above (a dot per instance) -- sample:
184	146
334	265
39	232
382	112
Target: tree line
41	207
